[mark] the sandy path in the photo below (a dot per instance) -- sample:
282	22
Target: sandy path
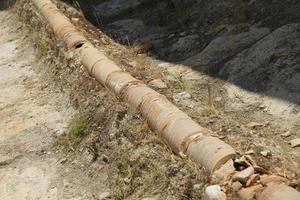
31	116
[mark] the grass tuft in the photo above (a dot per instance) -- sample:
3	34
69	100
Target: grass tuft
78	126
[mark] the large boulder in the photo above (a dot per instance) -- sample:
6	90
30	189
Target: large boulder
272	65
222	48
113	8
127	30
184	47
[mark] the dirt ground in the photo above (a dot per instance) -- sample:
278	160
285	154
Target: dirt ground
64	136
32	116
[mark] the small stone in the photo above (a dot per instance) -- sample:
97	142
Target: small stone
236	186
62	161
158	83
251	151
244	175
295	142
171	35
249	193
104	195
183	33
214	192
182	96
197	186
104	158
266	153
254	125
127	180
75	19
286	134
262	107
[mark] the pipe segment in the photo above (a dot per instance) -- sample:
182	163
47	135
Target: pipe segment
176	128
61	25
279	192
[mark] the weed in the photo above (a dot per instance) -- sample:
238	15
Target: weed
77	126
76	130
118	193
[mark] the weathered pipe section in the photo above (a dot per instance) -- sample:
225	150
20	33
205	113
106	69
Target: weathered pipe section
184	136
177	129
61	25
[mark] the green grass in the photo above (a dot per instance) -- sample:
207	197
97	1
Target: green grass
77	127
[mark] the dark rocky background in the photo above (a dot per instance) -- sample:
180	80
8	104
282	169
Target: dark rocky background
252	43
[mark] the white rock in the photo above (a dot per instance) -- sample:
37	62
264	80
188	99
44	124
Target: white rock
182	96
244	175
214	192
104	195
265	153
197	186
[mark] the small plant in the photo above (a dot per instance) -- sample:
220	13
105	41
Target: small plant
118	193
77	126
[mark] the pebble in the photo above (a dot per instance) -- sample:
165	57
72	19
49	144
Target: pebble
62	161
197	186
182	96
266	153
214	192
75	19
243	175
104	195
286	134
158	83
